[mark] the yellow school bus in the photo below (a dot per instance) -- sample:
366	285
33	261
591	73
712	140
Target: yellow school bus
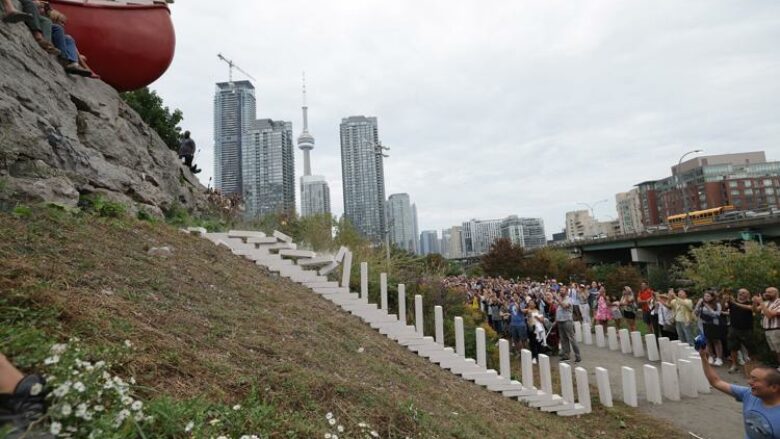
698	218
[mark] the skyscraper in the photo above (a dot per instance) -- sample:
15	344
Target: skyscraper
315	193
429	242
268	170
234	113
401	222
479	235
416	229
363	175
525	232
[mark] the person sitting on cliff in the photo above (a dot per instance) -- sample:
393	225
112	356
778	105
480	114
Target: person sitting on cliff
69	54
40	26
11	15
187	152
22	402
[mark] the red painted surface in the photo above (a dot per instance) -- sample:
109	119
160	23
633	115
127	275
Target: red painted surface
128	45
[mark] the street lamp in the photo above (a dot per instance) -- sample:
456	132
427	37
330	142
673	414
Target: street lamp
680	186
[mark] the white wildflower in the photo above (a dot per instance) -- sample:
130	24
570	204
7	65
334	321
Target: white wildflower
66	409
374	433
137	405
332	421
106	376
329	416
98	408
126	400
139	416
62	390
361	350
362	425
54	359
237	407
340	428
59	348
132	380
81	410
100	364
55	428
222	437
188	428
328	436
79	387
128	344
36	389
214	421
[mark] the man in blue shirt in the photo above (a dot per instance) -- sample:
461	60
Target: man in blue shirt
760	401
518	327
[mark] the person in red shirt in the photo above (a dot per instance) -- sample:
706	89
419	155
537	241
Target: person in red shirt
645	300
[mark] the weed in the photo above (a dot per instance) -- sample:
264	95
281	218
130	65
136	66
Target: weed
22	211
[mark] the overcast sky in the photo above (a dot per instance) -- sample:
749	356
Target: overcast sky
499	107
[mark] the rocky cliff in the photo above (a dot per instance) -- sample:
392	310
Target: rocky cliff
63	136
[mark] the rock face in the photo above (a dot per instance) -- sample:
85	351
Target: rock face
63	136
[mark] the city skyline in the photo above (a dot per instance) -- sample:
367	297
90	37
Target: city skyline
606	114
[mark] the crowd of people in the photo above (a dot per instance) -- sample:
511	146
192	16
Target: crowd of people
538	315
47	26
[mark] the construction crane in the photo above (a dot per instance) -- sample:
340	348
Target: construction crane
232	66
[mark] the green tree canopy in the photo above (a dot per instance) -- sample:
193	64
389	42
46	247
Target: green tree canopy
149	105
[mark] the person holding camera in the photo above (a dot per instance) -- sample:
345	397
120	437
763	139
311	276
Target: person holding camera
770	321
565	319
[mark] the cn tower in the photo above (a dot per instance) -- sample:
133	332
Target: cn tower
306	140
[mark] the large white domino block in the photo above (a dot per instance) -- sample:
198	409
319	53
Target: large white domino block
583	395
364	281
297	254
605	390
383	291
346	270
670	383
460	345
612	338
402	303
664	347
586	335
652	384
545	377
481	357
567	401
601	341
282	237
680	351
438	318
578	332
418	314
652	347
527	368
503	355
702	385
625	341
687	379
636	344
341	254
629	387
244	234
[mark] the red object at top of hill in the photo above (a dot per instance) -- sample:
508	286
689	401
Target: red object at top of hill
128	43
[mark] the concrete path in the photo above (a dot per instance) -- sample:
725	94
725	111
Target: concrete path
710	416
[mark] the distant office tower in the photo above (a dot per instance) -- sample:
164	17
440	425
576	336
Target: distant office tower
416	230
455	249
479	235
444	242
525	232
401	222
429	242
580	225
315	193
363	176
629	208
268	168
234	113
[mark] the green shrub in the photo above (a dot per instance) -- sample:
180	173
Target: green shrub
22	211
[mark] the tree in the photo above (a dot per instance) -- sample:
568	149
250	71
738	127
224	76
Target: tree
615	277
753	266
149	105
504	259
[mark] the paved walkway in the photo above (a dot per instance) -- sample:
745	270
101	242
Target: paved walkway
710	416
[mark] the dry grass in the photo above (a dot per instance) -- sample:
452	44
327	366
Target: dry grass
211	325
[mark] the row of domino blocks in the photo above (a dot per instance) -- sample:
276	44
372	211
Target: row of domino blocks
681	373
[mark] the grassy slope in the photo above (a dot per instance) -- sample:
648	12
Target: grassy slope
210	325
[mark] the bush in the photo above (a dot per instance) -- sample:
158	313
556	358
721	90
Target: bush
719	266
22	211
101	207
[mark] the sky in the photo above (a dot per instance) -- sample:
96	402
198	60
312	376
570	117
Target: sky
507	107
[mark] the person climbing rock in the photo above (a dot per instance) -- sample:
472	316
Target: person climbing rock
187	152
